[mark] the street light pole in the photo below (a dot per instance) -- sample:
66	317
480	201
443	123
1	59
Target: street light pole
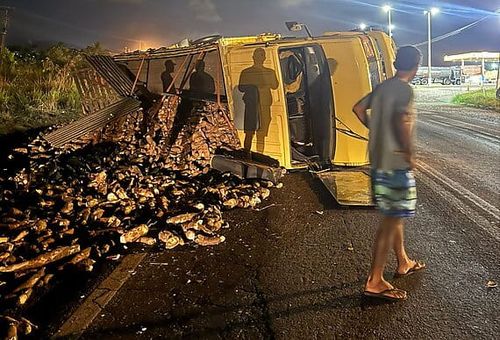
429	49
429	14
389	18
388	10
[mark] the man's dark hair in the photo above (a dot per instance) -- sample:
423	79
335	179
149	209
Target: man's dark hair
407	58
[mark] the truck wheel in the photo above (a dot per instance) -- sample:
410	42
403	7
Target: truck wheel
458	82
447	81
424	81
417	82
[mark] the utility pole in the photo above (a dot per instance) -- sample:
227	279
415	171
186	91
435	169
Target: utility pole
4	22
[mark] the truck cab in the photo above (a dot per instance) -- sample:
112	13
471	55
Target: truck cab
290	99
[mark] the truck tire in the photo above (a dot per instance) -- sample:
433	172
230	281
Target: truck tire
424	82
447	81
458	82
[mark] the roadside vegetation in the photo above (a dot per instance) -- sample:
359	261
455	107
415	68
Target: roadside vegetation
37	87
482	99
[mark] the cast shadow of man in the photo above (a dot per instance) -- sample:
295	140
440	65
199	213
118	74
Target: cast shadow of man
166	76
200	81
256	83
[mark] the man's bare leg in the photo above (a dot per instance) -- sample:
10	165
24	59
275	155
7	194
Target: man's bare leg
404	262
383	243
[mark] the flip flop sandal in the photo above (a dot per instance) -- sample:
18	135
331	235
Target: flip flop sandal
416	267
384	294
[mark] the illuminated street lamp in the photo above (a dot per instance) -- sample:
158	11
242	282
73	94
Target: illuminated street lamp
388	10
362	26
429	13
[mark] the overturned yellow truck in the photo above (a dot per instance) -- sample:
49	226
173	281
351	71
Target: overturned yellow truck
290	98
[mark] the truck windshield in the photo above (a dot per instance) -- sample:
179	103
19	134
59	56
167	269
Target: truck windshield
371	58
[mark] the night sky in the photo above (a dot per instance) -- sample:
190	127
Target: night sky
120	23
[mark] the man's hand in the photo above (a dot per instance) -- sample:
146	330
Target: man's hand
409	157
360	109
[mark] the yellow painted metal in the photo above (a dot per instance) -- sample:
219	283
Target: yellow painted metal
351	81
240	69
383	45
265	37
348	187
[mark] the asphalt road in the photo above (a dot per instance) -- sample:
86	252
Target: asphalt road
296	269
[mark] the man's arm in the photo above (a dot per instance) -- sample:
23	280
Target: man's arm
361	107
403	126
404	131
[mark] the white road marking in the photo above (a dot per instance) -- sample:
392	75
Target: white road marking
485	135
479	134
479	128
93	305
435	179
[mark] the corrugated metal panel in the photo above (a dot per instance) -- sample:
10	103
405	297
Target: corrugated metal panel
95	121
95	93
107	68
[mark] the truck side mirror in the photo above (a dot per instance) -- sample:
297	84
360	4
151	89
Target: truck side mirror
293	26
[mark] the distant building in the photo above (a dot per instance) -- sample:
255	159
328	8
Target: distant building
477	67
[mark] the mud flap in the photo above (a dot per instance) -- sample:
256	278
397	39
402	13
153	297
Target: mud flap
352	188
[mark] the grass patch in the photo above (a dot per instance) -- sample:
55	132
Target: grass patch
484	100
37	87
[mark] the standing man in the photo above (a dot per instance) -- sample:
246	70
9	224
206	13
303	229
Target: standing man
392	159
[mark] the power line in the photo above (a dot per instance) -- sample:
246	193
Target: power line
454	32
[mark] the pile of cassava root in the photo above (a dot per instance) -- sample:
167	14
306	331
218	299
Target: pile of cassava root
150	183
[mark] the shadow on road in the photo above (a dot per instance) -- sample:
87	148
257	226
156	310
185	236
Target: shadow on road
233	314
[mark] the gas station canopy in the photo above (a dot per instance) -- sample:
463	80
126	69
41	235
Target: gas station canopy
473	56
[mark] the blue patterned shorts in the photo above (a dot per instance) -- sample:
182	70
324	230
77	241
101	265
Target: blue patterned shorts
394	192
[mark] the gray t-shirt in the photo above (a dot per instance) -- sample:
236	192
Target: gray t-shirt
388	102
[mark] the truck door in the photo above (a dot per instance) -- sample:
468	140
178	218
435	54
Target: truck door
350	77
309	102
